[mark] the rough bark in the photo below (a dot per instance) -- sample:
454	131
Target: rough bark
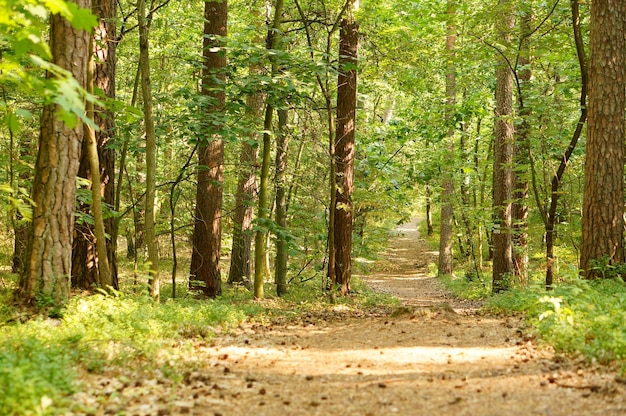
344	151
447	191
207	235
84	256
46	276
603	200
503	158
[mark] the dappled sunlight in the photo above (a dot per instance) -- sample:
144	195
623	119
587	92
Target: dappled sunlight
394	360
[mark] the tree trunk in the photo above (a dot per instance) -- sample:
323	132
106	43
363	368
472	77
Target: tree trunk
556	179
244	198
46	276
503	159
522	145
207	235
260	249
84	253
447	192
344	151
103	269
429	214
151	152
603	200
20	225
282	251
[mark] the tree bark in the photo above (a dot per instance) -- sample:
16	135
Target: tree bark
556	179
260	249
246	188
519	211
503	158
603	200
207	235
84	253
103	269
447	192
344	151
46	276
151	152
282	251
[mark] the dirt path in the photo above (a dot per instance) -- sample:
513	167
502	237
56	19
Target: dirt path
435	356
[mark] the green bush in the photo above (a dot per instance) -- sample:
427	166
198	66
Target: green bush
579	316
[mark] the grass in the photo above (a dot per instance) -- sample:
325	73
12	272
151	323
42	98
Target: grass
577	317
41	359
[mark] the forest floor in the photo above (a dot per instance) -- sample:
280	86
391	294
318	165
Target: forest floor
434	355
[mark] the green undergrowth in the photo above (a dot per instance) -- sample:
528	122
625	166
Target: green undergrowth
41	359
576	317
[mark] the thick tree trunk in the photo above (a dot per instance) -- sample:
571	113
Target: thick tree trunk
603	201
282	251
503	160
447	191
344	151
84	257
151	152
207	235
47	270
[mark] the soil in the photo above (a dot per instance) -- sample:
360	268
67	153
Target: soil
434	355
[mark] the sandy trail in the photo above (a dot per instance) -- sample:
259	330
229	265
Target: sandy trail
434	356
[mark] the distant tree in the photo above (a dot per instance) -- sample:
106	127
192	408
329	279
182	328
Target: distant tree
264	209
207	233
282	249
551	214
47	269
151	149
603	200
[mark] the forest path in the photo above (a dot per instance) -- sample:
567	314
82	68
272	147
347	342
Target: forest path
433	356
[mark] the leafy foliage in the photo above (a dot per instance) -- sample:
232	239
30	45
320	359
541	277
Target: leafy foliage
581	316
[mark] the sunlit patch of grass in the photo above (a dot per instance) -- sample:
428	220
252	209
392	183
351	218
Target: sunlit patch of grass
580	316
463	287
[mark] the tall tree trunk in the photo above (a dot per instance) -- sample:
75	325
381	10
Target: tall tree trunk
282	251
84	253
151	151
344	150
207	235
522	147
556	179
103	269
503	158
447	192
260	249
246	188
47	270
603	200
